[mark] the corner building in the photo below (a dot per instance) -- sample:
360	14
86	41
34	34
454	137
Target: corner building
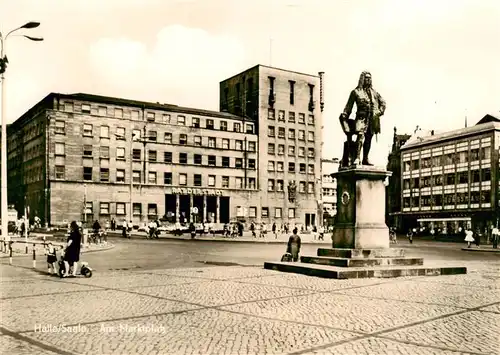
452	180
86	157
287	108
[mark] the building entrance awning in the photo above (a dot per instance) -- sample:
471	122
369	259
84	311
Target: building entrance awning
450	219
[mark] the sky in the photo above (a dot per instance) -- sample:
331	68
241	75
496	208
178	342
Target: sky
434	62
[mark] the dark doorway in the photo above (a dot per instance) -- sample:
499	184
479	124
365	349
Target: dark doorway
198	203
212	209
310	219
170	207
184	207
224	209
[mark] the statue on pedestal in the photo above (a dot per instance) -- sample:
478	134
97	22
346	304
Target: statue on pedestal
369	107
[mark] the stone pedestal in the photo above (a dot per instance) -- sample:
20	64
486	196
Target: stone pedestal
361	238
360	222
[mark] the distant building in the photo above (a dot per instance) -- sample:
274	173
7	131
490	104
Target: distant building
451	180
393	190
329	197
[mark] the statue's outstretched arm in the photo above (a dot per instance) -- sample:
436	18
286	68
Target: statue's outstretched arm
381	103
350	104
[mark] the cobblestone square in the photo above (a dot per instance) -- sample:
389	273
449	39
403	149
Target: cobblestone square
488	279
430	293
328	309
23	314
133	280
38	287
376	346
468	332
216	293
246	310
309	283
198	332
217	273
11	345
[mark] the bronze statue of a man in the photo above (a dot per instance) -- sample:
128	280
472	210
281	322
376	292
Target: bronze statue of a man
370	106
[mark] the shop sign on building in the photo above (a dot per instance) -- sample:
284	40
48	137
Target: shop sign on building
195	191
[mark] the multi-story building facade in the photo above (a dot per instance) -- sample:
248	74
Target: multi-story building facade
74	157
287	108
329	189
87	157
393	189
452	180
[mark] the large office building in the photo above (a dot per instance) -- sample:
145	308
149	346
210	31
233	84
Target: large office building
452	180
87	157
287	107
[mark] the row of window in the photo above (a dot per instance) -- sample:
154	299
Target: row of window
153	178
271	132
271	150
271	114
278	185
265	212
151	116
460	198
329	191
448	159
152	136
154	157
33	174
461	177
279	166
120	210
152	210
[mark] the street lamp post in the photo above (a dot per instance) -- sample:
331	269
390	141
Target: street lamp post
3	121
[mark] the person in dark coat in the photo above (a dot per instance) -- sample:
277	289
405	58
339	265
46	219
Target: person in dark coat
192	229
294	245
72	253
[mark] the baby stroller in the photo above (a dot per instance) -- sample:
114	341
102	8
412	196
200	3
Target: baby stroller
85	269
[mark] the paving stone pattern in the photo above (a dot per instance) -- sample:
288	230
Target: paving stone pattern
247	310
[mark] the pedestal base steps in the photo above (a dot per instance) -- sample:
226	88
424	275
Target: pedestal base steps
340	263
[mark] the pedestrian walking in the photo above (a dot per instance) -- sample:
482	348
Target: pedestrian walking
321	231
293	246
495	235
274	230
410	236
468	237
124	229
263	230
252	229
477	237
72	252
192	229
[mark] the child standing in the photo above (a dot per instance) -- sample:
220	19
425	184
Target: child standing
51	258
469	237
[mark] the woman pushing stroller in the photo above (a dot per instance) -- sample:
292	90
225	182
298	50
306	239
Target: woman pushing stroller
72	252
